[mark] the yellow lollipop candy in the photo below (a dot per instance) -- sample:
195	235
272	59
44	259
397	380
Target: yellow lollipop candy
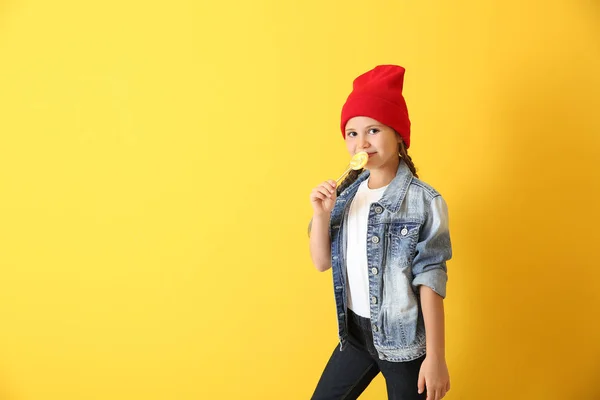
358	161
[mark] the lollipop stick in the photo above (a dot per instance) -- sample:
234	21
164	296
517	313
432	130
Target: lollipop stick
339	180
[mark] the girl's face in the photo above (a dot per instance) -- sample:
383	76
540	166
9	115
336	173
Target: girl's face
380	141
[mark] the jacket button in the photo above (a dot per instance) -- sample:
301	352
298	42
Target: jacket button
374	300
378	210
375	328
374	271
375	239
404	231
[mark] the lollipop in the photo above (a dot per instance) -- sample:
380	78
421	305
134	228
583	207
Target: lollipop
358	161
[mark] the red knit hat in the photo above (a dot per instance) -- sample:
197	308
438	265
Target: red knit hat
378	94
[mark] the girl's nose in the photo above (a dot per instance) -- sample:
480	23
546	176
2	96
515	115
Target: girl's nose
362	142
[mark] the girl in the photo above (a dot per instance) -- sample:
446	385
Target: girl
385	235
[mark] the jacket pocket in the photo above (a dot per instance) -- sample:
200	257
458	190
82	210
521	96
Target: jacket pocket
402	240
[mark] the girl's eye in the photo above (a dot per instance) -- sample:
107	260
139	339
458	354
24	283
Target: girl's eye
351	134
373	130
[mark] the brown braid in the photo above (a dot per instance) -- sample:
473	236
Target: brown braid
407	159
349	180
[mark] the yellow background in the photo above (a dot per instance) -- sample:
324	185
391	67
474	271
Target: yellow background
155	166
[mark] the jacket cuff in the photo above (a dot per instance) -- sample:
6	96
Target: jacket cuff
435	279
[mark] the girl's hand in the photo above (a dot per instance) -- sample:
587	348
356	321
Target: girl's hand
322	198
434	375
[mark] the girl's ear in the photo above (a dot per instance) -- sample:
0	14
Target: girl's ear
401	148
399	139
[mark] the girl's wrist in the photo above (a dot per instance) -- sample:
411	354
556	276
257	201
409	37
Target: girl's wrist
322	215
437	355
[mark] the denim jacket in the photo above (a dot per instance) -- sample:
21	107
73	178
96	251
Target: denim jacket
408	244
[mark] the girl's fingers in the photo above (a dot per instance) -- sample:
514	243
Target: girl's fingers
322	196
421	384
317	195
431	395
328	187
324	191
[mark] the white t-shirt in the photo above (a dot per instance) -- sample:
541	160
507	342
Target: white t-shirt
356	251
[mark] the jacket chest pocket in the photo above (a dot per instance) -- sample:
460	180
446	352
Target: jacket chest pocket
402	238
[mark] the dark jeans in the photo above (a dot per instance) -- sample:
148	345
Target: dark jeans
349	372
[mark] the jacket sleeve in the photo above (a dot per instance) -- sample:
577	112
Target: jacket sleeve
433	249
